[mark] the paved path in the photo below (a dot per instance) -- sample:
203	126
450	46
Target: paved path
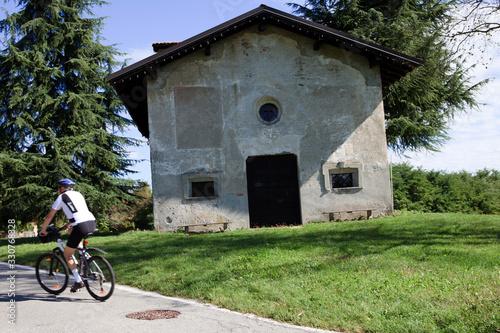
37	311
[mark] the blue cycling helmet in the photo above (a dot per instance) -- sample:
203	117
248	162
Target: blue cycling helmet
67	183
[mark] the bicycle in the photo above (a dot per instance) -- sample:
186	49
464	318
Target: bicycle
52	271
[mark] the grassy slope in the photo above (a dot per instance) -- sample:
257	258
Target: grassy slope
413	273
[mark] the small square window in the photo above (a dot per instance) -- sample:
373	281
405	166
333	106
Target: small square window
202	189
201	186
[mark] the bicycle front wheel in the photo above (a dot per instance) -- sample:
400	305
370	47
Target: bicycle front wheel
99	278
52	273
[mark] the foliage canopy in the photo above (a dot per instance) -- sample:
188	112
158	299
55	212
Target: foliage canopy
58	115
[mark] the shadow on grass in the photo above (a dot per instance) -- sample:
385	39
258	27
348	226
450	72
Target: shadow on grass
342	241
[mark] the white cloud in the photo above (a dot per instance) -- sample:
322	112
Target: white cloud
134	55
141	152
143	167
474	143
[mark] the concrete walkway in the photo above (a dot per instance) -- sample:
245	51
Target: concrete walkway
36	311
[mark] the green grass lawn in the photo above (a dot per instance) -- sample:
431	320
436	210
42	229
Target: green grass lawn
412	273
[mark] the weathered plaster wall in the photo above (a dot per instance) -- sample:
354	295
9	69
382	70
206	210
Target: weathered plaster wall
203	119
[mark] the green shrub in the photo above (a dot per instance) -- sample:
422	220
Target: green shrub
440	192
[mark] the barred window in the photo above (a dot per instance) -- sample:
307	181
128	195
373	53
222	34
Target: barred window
342	180
341	177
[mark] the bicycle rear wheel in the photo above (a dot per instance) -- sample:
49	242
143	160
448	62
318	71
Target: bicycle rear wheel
52	273
99	278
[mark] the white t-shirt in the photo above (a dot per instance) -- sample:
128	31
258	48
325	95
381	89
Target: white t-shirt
74	206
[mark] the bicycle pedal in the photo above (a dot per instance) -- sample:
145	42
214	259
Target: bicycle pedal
76	287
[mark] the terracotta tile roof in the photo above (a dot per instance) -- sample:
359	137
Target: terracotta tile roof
163	45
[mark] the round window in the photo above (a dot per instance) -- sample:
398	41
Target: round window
269	113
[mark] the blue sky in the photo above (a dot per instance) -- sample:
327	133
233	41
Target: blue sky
132	26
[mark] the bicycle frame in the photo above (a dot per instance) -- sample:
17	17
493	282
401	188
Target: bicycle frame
60	247
82	250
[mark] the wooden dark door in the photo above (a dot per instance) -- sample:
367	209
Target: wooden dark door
273	190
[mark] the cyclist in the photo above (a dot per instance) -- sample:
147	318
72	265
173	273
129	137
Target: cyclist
81	222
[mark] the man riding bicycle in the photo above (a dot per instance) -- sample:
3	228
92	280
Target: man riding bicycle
81	222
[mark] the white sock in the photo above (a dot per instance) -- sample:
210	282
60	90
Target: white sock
78	279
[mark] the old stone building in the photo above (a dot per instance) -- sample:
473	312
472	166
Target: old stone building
267	119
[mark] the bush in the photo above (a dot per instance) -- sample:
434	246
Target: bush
440	192
136	214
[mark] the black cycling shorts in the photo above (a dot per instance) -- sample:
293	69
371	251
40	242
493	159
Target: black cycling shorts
79	231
